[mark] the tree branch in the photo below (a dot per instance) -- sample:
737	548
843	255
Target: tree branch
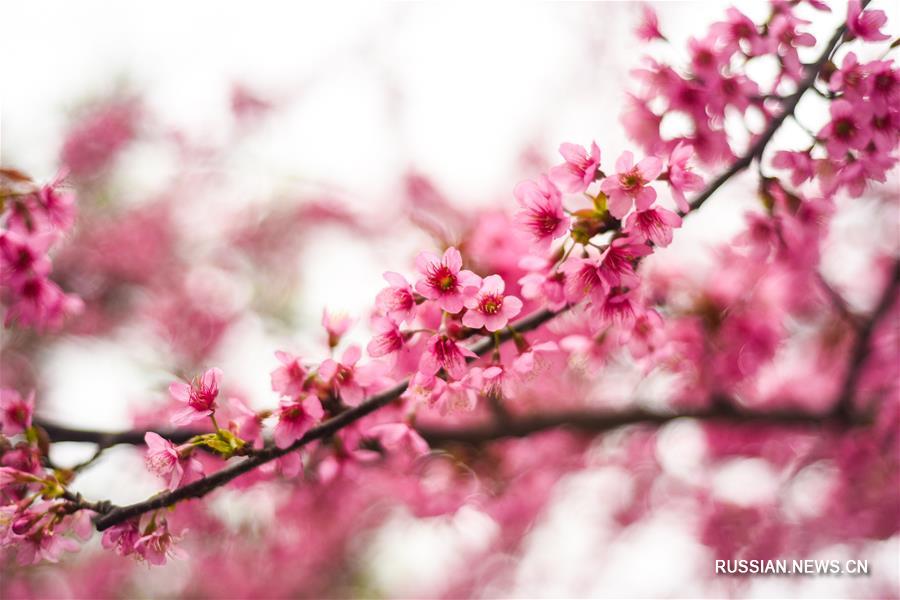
844	404
594	422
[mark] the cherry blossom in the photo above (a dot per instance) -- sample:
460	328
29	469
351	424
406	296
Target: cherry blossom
490	308
630	184
200	397
444	280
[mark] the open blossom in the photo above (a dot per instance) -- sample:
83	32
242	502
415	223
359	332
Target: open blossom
579	170
648	29
158	544
850	128
336	325
619	308
529	360
852	79
59	205
445	281
15	411
681	179
164	460
40	303
630	184
885	92
122	537
296	418
397	301
654	224
399	437
388	340
348	379
866	24
542	215
490	308
800	164
583	279
290	378
200	397
443	353
22	254
737	30
543	283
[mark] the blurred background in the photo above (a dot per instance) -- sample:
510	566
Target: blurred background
361	113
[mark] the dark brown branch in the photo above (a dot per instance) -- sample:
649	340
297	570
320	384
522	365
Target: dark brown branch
594	422
860	351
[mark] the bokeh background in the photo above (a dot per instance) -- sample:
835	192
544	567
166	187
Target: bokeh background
353	99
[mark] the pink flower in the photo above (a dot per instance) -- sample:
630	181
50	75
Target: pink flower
852	79
490	308
648	29
706	60
122	537
800	164
583	279
200	397
739	28
40	303
619	308
296	418
460	395
579	170
850	128
15	411
885	130
157	544
642	124
164	460
290	378
443	353
630	184
654	224
542	216
544	283
399	437
59	206
444	282
397	301
388	340
527	361
885	91
245	423
336	325
348	380
866	24
617	267
21	255
681	179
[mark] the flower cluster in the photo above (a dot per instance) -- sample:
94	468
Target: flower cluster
854	148
32	220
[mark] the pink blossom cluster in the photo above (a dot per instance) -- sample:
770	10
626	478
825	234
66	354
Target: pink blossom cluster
32	220
854	148
35	522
